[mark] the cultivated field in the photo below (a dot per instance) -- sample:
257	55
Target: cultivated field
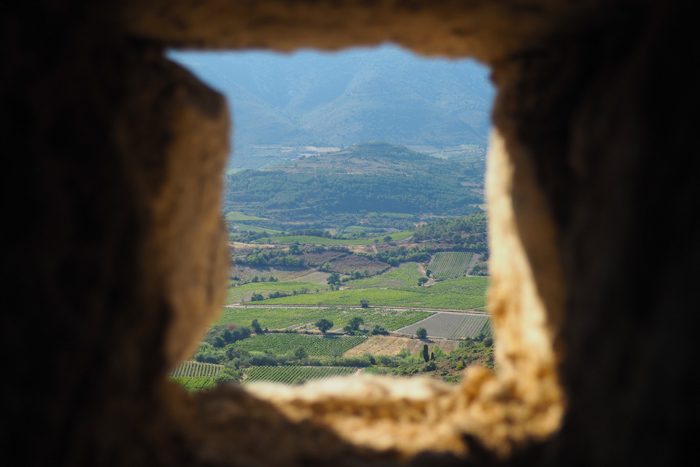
451	325
465	293
487	330
449	264
315	277
238	228
191	369
380	345
351	262
316	346
406	275
294	374
318	259
392	345
246	273
304	318
194	376
195	383
245	292
239	216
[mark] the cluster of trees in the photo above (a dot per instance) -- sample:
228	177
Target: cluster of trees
260	257
262	279
402	254
355	275
334	280
446	366
480	269
219	336
469	232
354	325
237	359
227	375
257	297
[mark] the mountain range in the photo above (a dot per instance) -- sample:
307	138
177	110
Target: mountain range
282	104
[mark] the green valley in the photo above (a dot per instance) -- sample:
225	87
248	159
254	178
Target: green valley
375	293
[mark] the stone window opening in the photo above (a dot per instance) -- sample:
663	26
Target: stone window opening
361	411
403	419
114	280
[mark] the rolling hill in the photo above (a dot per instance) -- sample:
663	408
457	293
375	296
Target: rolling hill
354	186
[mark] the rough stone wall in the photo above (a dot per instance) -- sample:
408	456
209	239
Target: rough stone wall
116	258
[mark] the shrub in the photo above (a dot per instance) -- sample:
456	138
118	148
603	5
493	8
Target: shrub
210	356
227	375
